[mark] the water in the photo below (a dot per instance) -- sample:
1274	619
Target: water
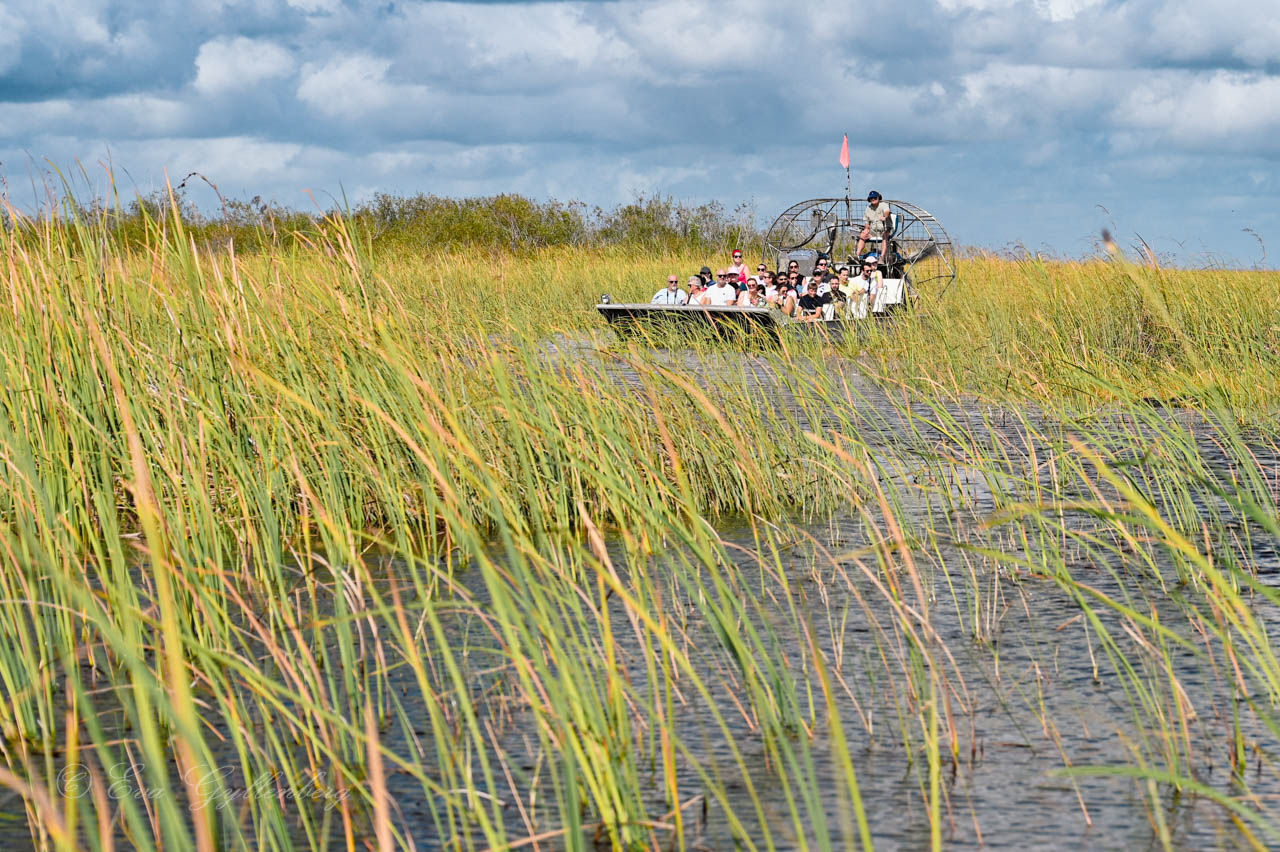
1032	690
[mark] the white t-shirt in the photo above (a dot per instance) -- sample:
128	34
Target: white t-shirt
668	297
868	286
824	287
721	294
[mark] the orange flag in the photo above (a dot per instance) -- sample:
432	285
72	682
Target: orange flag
844	152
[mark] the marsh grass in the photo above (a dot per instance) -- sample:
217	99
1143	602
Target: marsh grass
333	547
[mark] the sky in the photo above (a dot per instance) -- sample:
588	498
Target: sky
1021	124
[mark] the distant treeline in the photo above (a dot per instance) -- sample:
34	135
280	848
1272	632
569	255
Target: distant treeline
419	222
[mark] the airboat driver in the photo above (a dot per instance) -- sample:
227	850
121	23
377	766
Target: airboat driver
672	294
876	227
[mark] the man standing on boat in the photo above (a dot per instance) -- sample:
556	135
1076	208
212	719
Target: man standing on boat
876	224
672	294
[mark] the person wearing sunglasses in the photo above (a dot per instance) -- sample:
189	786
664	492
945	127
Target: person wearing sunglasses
784	296
866	287
738	268
695	289
672	294
723	292
768	283
753	296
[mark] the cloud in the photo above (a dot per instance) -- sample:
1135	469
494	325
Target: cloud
1221	111
227	64
352	84
1051	106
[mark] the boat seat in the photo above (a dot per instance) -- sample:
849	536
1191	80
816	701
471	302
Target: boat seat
892	293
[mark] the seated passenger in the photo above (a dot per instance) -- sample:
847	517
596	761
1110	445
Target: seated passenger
839	297
672	294
768	285
866	287
820	269
738	268
813	304
722	292
753	296
695	290
784	297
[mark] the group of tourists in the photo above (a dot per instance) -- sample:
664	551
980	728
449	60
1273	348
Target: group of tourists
826	294
847	290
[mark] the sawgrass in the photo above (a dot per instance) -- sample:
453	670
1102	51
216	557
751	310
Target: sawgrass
333	547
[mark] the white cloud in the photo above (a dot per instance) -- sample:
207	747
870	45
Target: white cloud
227	64
715	99
1064	10
352	86
1199	111
1244	29
315	6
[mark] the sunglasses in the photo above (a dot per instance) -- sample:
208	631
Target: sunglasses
672	281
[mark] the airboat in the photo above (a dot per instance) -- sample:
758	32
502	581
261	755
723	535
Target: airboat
918	267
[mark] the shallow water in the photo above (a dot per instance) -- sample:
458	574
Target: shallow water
1032	690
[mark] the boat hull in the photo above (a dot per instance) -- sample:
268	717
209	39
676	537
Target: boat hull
721	318
726	320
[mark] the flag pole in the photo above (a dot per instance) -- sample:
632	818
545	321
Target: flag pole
848	179
844	161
